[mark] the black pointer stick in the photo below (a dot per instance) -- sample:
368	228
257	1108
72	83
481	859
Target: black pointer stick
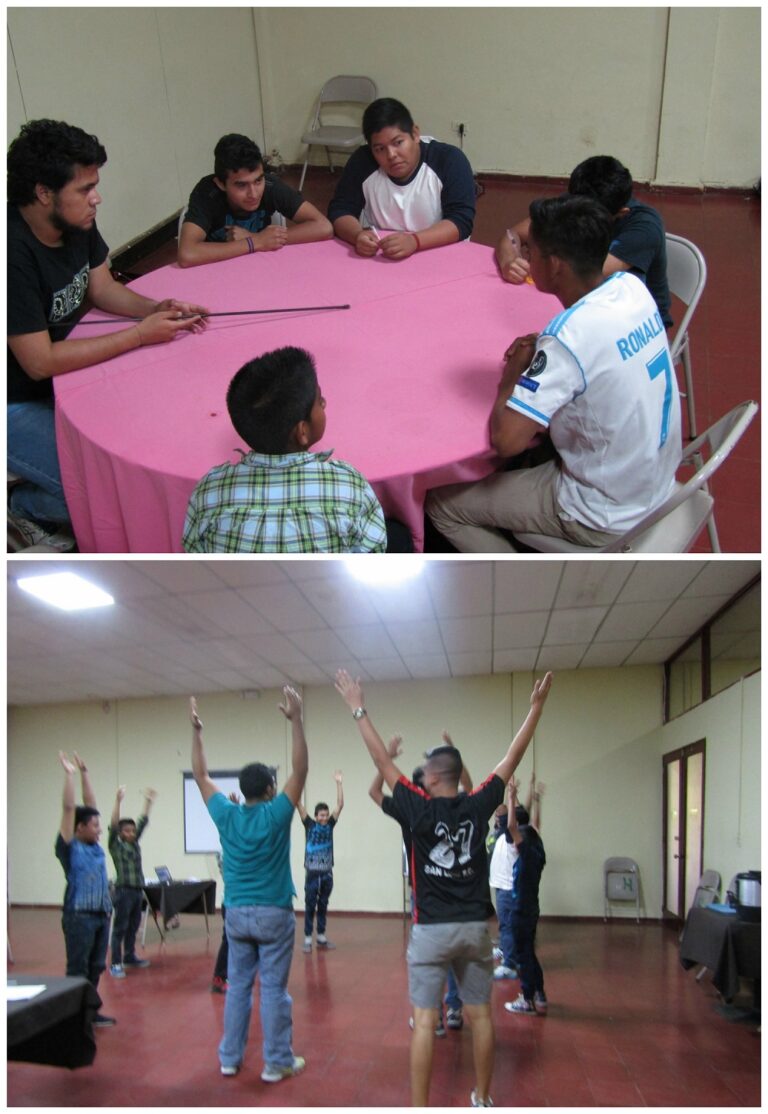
224	313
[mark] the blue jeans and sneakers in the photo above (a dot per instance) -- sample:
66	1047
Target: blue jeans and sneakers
532	998
261	939
128	903
317	891
37	509
507	966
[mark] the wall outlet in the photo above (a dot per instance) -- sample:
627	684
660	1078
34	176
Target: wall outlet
460	127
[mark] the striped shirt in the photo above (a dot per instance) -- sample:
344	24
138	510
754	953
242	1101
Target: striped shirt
293	503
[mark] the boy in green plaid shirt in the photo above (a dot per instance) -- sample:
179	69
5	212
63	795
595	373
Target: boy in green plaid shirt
124	836
281	498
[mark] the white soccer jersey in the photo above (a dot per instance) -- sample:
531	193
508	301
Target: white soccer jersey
602	381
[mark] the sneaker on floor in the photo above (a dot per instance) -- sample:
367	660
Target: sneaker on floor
498	954
520	1005
324	942
219	985
230	1069
307	944
23	534
134	961
274	1074
116	971
475	1101
100	1021
540	1002
439	1027
504	972
454	1019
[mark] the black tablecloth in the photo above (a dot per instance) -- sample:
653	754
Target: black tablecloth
56	1026
170	898
728	946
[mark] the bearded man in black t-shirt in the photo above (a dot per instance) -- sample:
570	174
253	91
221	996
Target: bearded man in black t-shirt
449	877
58	268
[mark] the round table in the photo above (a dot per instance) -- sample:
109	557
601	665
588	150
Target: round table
409	374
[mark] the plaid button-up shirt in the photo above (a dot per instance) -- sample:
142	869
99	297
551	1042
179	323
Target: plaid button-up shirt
294	503
127	856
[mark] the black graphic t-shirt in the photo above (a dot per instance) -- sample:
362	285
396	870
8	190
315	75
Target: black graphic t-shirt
46	290
209	210
449	863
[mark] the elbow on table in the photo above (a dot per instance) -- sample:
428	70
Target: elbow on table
325	230
185	259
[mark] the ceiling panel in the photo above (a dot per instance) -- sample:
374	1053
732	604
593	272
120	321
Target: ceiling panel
234	624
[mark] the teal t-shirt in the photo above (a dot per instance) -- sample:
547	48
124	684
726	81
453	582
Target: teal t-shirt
256	844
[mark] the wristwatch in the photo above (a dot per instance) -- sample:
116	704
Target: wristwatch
359	713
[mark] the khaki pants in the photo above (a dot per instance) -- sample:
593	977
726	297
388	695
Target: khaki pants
472	515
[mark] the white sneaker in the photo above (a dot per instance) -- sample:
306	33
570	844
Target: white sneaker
475	1101
307	944
502	972
230	1069
275	1074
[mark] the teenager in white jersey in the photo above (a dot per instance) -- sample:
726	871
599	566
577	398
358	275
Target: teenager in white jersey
402	194
599	378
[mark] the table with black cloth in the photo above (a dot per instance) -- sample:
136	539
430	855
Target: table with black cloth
56	1026
728	946
168	899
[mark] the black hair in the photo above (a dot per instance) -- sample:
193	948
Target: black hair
270	395
521	815
124	823
84	814
575	229
235	152
603	178
445	761
417	777
46	152
320	807
386	112
255	780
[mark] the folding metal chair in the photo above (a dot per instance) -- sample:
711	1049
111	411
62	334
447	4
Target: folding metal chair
343	89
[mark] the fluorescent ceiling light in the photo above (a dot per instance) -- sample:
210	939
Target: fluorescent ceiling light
384	570
66	590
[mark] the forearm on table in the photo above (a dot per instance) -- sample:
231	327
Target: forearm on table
52	358
193	255
347	228
438	235
309	231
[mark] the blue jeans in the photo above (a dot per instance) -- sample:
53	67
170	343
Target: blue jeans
261	941
128	901
86	936
505	913
32	455
317	891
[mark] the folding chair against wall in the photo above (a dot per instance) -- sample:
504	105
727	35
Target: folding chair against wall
342	89
621	878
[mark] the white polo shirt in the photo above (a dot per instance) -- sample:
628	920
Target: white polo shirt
602	381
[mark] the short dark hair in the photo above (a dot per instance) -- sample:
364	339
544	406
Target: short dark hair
386	112
445	761
521	815
417	777
603	178
575	229
235	152
255	780
124	823
84	814
321	806
46	152
270	395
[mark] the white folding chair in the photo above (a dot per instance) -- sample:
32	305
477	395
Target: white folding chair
343	89
687	277
674	526
621	880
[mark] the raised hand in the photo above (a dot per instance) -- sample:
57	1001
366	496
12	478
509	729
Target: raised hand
350	691
291	706
541	690
337	777
394	746
68	765
197	723
80	762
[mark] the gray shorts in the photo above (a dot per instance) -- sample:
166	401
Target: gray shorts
465	947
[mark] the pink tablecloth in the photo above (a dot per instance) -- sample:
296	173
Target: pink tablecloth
409	374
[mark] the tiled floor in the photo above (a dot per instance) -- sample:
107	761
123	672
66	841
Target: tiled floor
626	1027
725	334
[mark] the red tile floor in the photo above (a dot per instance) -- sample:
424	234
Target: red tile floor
724	336
626	1027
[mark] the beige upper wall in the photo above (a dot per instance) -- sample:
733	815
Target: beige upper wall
672	92
598	749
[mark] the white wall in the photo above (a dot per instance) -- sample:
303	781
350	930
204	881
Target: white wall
672	92
598	749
